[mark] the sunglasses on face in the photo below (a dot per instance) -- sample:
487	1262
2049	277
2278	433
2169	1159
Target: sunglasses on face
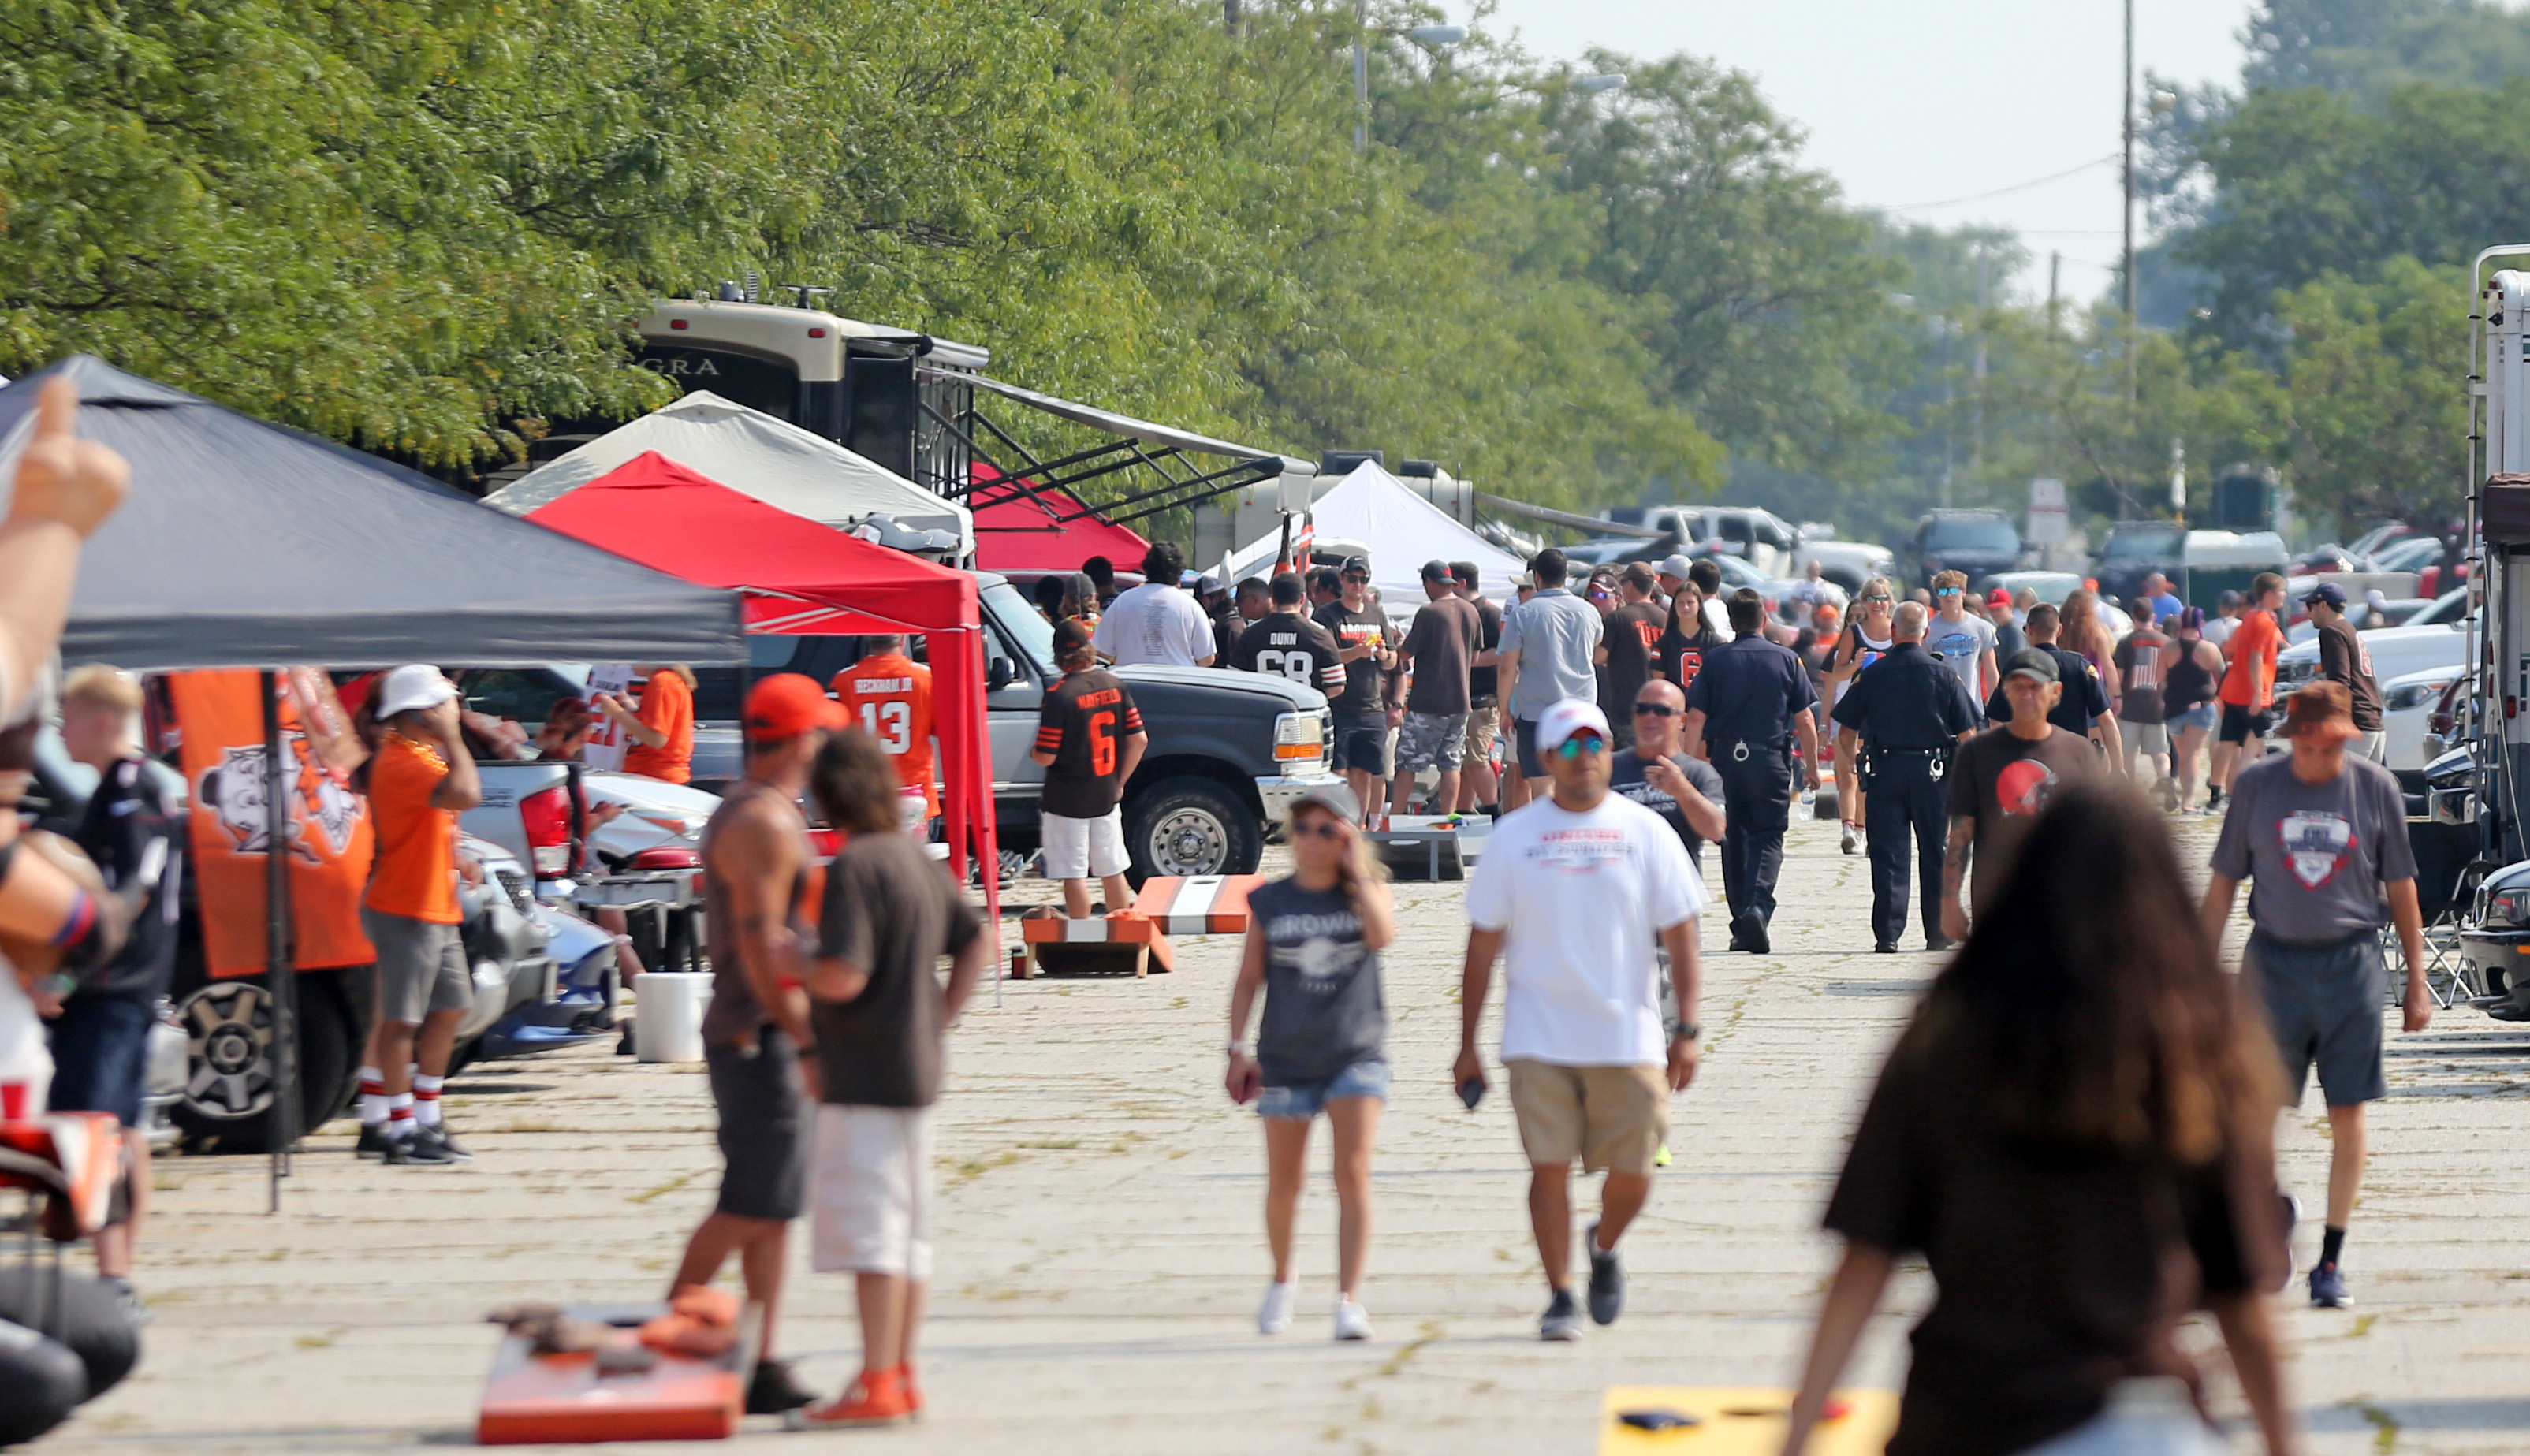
1580	745
1319	828
1656	710
1356	579
1881	597
1939	591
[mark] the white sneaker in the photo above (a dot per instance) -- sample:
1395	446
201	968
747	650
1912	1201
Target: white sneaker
1274	1316
1353	1321
1850	842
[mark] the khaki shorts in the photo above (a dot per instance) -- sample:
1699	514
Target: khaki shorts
1484	724
1611	1117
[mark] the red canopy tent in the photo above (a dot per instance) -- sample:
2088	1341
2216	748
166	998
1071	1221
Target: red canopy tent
1019	531
801	577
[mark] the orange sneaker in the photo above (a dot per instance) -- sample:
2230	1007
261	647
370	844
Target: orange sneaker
873	1400
912	1391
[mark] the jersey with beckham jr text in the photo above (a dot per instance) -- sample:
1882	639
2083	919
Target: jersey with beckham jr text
889	697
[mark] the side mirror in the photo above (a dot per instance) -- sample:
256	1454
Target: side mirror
998	674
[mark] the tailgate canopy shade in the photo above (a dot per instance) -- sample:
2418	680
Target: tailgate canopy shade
244	544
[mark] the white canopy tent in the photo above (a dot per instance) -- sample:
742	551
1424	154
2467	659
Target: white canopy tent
756	454
1403	531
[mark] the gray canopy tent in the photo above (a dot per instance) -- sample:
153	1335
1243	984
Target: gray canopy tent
244	544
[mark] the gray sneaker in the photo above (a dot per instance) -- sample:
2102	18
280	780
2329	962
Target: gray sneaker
1606	1281
1561	1319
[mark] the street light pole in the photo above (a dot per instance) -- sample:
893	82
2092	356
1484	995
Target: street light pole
2126	222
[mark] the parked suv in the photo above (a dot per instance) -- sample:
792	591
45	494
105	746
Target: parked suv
1976	542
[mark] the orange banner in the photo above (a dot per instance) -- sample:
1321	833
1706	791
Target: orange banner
220	716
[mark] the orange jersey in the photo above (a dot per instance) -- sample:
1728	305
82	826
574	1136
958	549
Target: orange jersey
416	873
667	705
890	696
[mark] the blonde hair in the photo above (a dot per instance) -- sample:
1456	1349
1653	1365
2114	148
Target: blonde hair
100	686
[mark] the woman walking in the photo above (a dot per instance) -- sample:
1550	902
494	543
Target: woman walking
1314	944
2072	1131
2190	670
2084	633
1867	636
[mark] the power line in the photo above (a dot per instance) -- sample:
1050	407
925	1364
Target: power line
2017	187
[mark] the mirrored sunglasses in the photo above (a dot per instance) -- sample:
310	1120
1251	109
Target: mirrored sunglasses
1580	745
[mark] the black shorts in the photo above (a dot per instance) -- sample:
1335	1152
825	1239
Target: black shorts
1523	742
101	1055
763	1127
2240	724
1362	742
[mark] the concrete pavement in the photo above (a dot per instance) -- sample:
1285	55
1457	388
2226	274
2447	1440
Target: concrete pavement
1101	1249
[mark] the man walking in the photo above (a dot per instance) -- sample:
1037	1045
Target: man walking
1478	791
420	780
1573	893
1287	643
2081	704
2345	657
756	856
1662	776
1157	622
1090	740
1429	689
2002	779
1900	720
2143	727
1960	642
1629	643
1746	711
2166	605
1360	711
2003	614
2320	836
1548	643
2248	690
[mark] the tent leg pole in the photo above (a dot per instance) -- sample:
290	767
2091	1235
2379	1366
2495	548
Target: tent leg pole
280	978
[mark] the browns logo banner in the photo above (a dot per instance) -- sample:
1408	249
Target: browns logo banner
220	716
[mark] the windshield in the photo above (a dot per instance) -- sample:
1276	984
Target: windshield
1027	627
2143	542
1972	533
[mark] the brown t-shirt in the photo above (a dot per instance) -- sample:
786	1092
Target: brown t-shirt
2061	1273
734	1015
893	913
2343	658
1445	634
1632	634
2001	781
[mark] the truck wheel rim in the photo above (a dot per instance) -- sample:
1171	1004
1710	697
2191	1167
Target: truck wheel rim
228	1025
1189	842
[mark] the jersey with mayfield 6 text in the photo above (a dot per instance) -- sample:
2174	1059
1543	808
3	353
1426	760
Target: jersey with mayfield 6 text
1083	725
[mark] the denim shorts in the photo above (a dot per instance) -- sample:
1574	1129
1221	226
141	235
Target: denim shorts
1367	1077
2201	717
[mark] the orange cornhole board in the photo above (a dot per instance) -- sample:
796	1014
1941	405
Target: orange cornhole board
1741	1420
535	1399
1093	947
1197	904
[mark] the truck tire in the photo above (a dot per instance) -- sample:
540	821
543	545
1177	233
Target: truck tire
1191	825
227	1101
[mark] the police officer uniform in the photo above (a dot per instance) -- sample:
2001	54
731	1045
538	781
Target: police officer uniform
1749	691
1909	711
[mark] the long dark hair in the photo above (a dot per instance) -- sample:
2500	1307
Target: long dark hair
2089	1003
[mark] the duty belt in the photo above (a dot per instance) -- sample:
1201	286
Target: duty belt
1741	748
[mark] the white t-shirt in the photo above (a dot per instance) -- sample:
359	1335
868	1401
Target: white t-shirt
1716	616
1582	896
2219	629
1155	623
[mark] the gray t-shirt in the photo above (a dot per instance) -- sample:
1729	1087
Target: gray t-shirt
1323	1006
1959	643
1556	634
2315	854
1625	776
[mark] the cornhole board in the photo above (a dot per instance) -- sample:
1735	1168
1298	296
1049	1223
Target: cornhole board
1197	904
1434	843
1741	1420
535	1399
1093	947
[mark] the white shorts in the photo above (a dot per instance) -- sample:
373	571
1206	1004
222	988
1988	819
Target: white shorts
1083	848
869	1192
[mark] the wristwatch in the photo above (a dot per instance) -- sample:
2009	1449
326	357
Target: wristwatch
1685	1031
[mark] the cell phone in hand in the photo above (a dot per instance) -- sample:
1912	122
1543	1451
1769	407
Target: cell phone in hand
1657	1419
1472	1092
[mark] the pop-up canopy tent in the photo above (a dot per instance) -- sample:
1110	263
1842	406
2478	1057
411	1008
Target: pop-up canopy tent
803	578
1403	531
1026	527
756	454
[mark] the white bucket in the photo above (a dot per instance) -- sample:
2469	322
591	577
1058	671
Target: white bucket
668	1023
26	1067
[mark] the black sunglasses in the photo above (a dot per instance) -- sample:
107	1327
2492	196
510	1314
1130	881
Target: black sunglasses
1325	829
1656	710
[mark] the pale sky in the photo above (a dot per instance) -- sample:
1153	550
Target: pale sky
1926	101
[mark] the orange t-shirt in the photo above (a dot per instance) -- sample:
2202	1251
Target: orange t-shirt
667	705
416	871
890	696
2250	682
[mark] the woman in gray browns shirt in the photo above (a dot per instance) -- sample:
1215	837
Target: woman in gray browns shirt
1314	944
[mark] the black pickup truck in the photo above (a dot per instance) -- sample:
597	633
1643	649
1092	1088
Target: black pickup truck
1228	751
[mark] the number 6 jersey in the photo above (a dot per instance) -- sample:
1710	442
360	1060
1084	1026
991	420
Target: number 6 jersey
887	696
1085	723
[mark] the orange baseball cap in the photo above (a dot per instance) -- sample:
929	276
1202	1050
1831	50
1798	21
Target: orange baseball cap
786	705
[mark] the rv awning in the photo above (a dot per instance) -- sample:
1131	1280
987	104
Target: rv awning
1164	479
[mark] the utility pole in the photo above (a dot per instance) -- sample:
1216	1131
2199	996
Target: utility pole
1976	366
1361	77
2055	273
2126	222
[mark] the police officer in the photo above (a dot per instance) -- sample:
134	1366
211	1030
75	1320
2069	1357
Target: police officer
1908	711
1747	708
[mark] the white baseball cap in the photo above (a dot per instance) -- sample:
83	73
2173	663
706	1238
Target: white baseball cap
1676	565
1566	718
415	685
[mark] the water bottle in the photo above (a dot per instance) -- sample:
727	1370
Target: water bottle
1809	798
